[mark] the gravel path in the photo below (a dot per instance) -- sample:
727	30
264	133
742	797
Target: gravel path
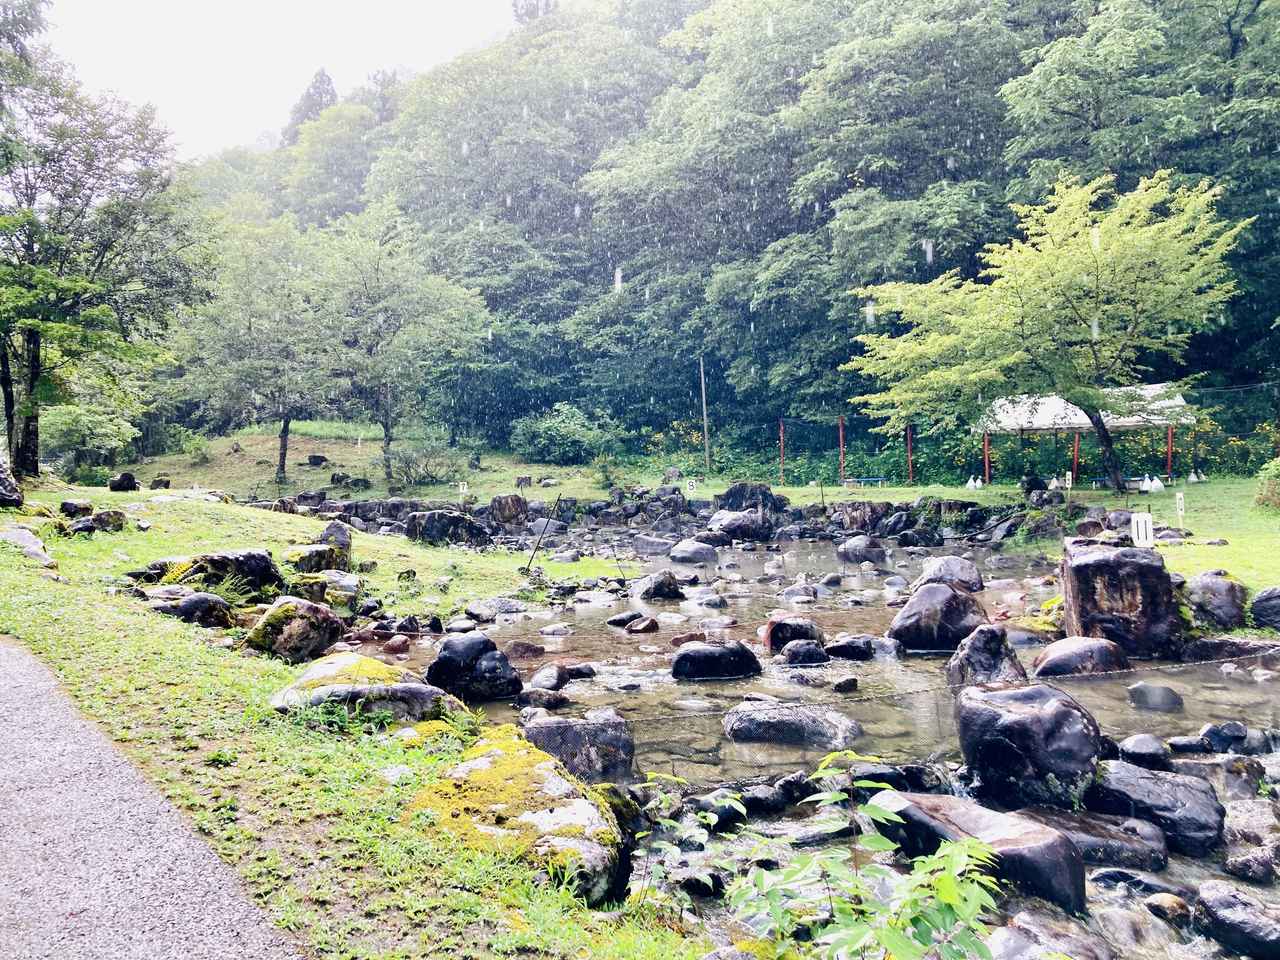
94	863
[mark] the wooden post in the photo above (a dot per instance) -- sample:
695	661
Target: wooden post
1075	460
986	458
841	424
1168	453
706	434
782	452
911	468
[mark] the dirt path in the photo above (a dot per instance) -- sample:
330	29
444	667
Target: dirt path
94	863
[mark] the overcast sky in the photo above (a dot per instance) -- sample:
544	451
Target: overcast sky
224	72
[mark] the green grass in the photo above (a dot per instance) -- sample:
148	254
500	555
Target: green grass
303	814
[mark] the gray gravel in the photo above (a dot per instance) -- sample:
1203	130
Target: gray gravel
94	863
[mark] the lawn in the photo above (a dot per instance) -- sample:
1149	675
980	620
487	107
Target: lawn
305	815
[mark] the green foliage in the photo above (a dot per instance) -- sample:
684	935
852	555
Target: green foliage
425	462
83	434
1269	485
564	435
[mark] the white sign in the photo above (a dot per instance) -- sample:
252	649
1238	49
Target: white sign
1068	480
692	486
463	487
1180	499
1142	529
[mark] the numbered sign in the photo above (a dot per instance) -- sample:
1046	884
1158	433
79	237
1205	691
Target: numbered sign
691	486
1143	530
1180	499
1068	480
463	487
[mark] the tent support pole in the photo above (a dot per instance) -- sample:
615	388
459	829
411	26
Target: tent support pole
986	458
1075	460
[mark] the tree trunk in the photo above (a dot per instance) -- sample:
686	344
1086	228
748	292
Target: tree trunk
10	401
284	450
386	450
26	459
1107	445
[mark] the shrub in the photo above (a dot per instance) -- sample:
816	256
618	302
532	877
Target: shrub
563	435
1269	484
423	464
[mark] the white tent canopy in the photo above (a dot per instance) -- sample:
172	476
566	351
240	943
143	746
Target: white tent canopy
1147	406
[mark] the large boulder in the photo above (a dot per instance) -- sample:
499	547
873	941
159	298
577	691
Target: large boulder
861	549
953	570
984	656
123	483
780	631
1217	600
936	618
741	524
1265	609
1238	920
768	720
1079	655
253	568
314	557
510	508
362	684
720	660
598	747
1106	840
1123	594
509	797
205	609
32	547
295	629
1034	934
1029	854
10	492
693	552
1251	831
1185	808
472	667
750	496
337	536
446	526
1028	745
661	585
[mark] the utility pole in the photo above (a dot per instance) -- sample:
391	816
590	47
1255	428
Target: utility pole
706	435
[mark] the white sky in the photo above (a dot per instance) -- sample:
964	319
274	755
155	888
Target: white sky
223	73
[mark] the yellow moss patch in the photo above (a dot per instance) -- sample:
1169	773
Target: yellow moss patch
350	668
426	731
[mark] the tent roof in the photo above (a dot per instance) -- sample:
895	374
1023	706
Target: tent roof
1150	405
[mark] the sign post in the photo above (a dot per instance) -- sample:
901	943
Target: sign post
1180	499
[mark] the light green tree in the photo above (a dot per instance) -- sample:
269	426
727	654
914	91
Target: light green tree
1098	287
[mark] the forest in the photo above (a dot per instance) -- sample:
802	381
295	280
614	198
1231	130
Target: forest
548	243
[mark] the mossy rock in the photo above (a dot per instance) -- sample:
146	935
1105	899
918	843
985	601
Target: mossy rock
363	685
507	796
295	629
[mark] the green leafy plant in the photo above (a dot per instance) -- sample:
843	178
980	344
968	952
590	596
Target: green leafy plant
1269	485
563	435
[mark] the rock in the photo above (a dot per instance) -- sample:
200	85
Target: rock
1079	655
741	524
254	568
551	677
1122	594
123	483
722	660
1265	609
1146	750
546	525
470	666
953	570
10	493
1037	858
1150	696
365	685
1107	840
985	656
337	536
693	552
159	483
1028	745
774	721
108	521
936	618
1217	601
750	496
205	609
1170	908
1252	835
642	625
599	747
1232	777
509	508
1184	807
1224	737
803	653
314	557
1237	920
32	547
74	508
508	797
647	546
543	699
295	629
1038	935
846	647
623	618
662	585
780	631
445	526
861	549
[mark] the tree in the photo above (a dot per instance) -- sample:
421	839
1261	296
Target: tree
258	350
1099	286
98	250
318	97
329	163
404	337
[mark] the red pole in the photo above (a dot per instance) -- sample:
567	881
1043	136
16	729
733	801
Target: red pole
1075	460
1168	452
841	449
986	458
911	469
782	451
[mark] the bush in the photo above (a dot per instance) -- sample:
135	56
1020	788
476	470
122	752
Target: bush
424	464
1269	484
88	475
563	435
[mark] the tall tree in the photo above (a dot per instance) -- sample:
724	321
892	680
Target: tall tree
1098	287
318	97
329	163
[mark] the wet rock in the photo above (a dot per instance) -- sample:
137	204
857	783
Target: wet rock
10	492
662	585
956	571
1217	600
846	647
937	618
722	660
622	618
642	625
1028	745
1079	655
803	653
1151	696
551	677
445	526
1220	648
750	496
1224	737
780	631
471	667
1137	881
1238	920
774	721
724	807
1122	594
1146	750
598	747
985	656
543	699
861	549
295	629
647	546
741	525
205	609
1107	840
1039	935
1185	808
364	685
1265	608
693	552
1232	777
1251	832
1170	908
1037	858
